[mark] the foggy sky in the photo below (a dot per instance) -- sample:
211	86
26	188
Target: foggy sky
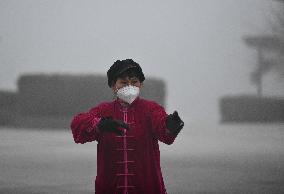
195	46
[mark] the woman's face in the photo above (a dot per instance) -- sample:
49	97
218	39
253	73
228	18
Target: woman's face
125	81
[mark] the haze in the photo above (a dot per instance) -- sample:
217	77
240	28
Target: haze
195	46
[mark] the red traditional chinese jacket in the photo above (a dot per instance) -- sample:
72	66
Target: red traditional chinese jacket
127	164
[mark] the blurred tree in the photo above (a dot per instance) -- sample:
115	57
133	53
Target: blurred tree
270	50
278	29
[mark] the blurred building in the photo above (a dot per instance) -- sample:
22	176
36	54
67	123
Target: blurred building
44	100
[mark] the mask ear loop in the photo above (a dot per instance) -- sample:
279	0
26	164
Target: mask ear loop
114	96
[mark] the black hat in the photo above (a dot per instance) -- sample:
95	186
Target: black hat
120	67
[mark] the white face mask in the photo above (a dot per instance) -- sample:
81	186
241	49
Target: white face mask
128	93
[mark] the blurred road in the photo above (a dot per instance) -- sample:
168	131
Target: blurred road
204	159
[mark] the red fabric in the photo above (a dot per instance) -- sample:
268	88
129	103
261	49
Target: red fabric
131	162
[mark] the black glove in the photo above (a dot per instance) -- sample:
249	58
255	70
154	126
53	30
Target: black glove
174	123
111	125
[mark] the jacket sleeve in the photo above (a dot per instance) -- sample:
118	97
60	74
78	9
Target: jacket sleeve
84	126
158	122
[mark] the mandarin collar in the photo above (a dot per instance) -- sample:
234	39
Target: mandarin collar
129	106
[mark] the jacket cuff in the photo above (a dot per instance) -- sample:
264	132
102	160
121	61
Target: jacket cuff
94	123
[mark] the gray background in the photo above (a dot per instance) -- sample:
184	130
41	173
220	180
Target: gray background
195	46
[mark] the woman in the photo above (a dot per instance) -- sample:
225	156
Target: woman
127	131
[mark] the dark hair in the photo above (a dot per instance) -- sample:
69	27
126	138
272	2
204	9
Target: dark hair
123	68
